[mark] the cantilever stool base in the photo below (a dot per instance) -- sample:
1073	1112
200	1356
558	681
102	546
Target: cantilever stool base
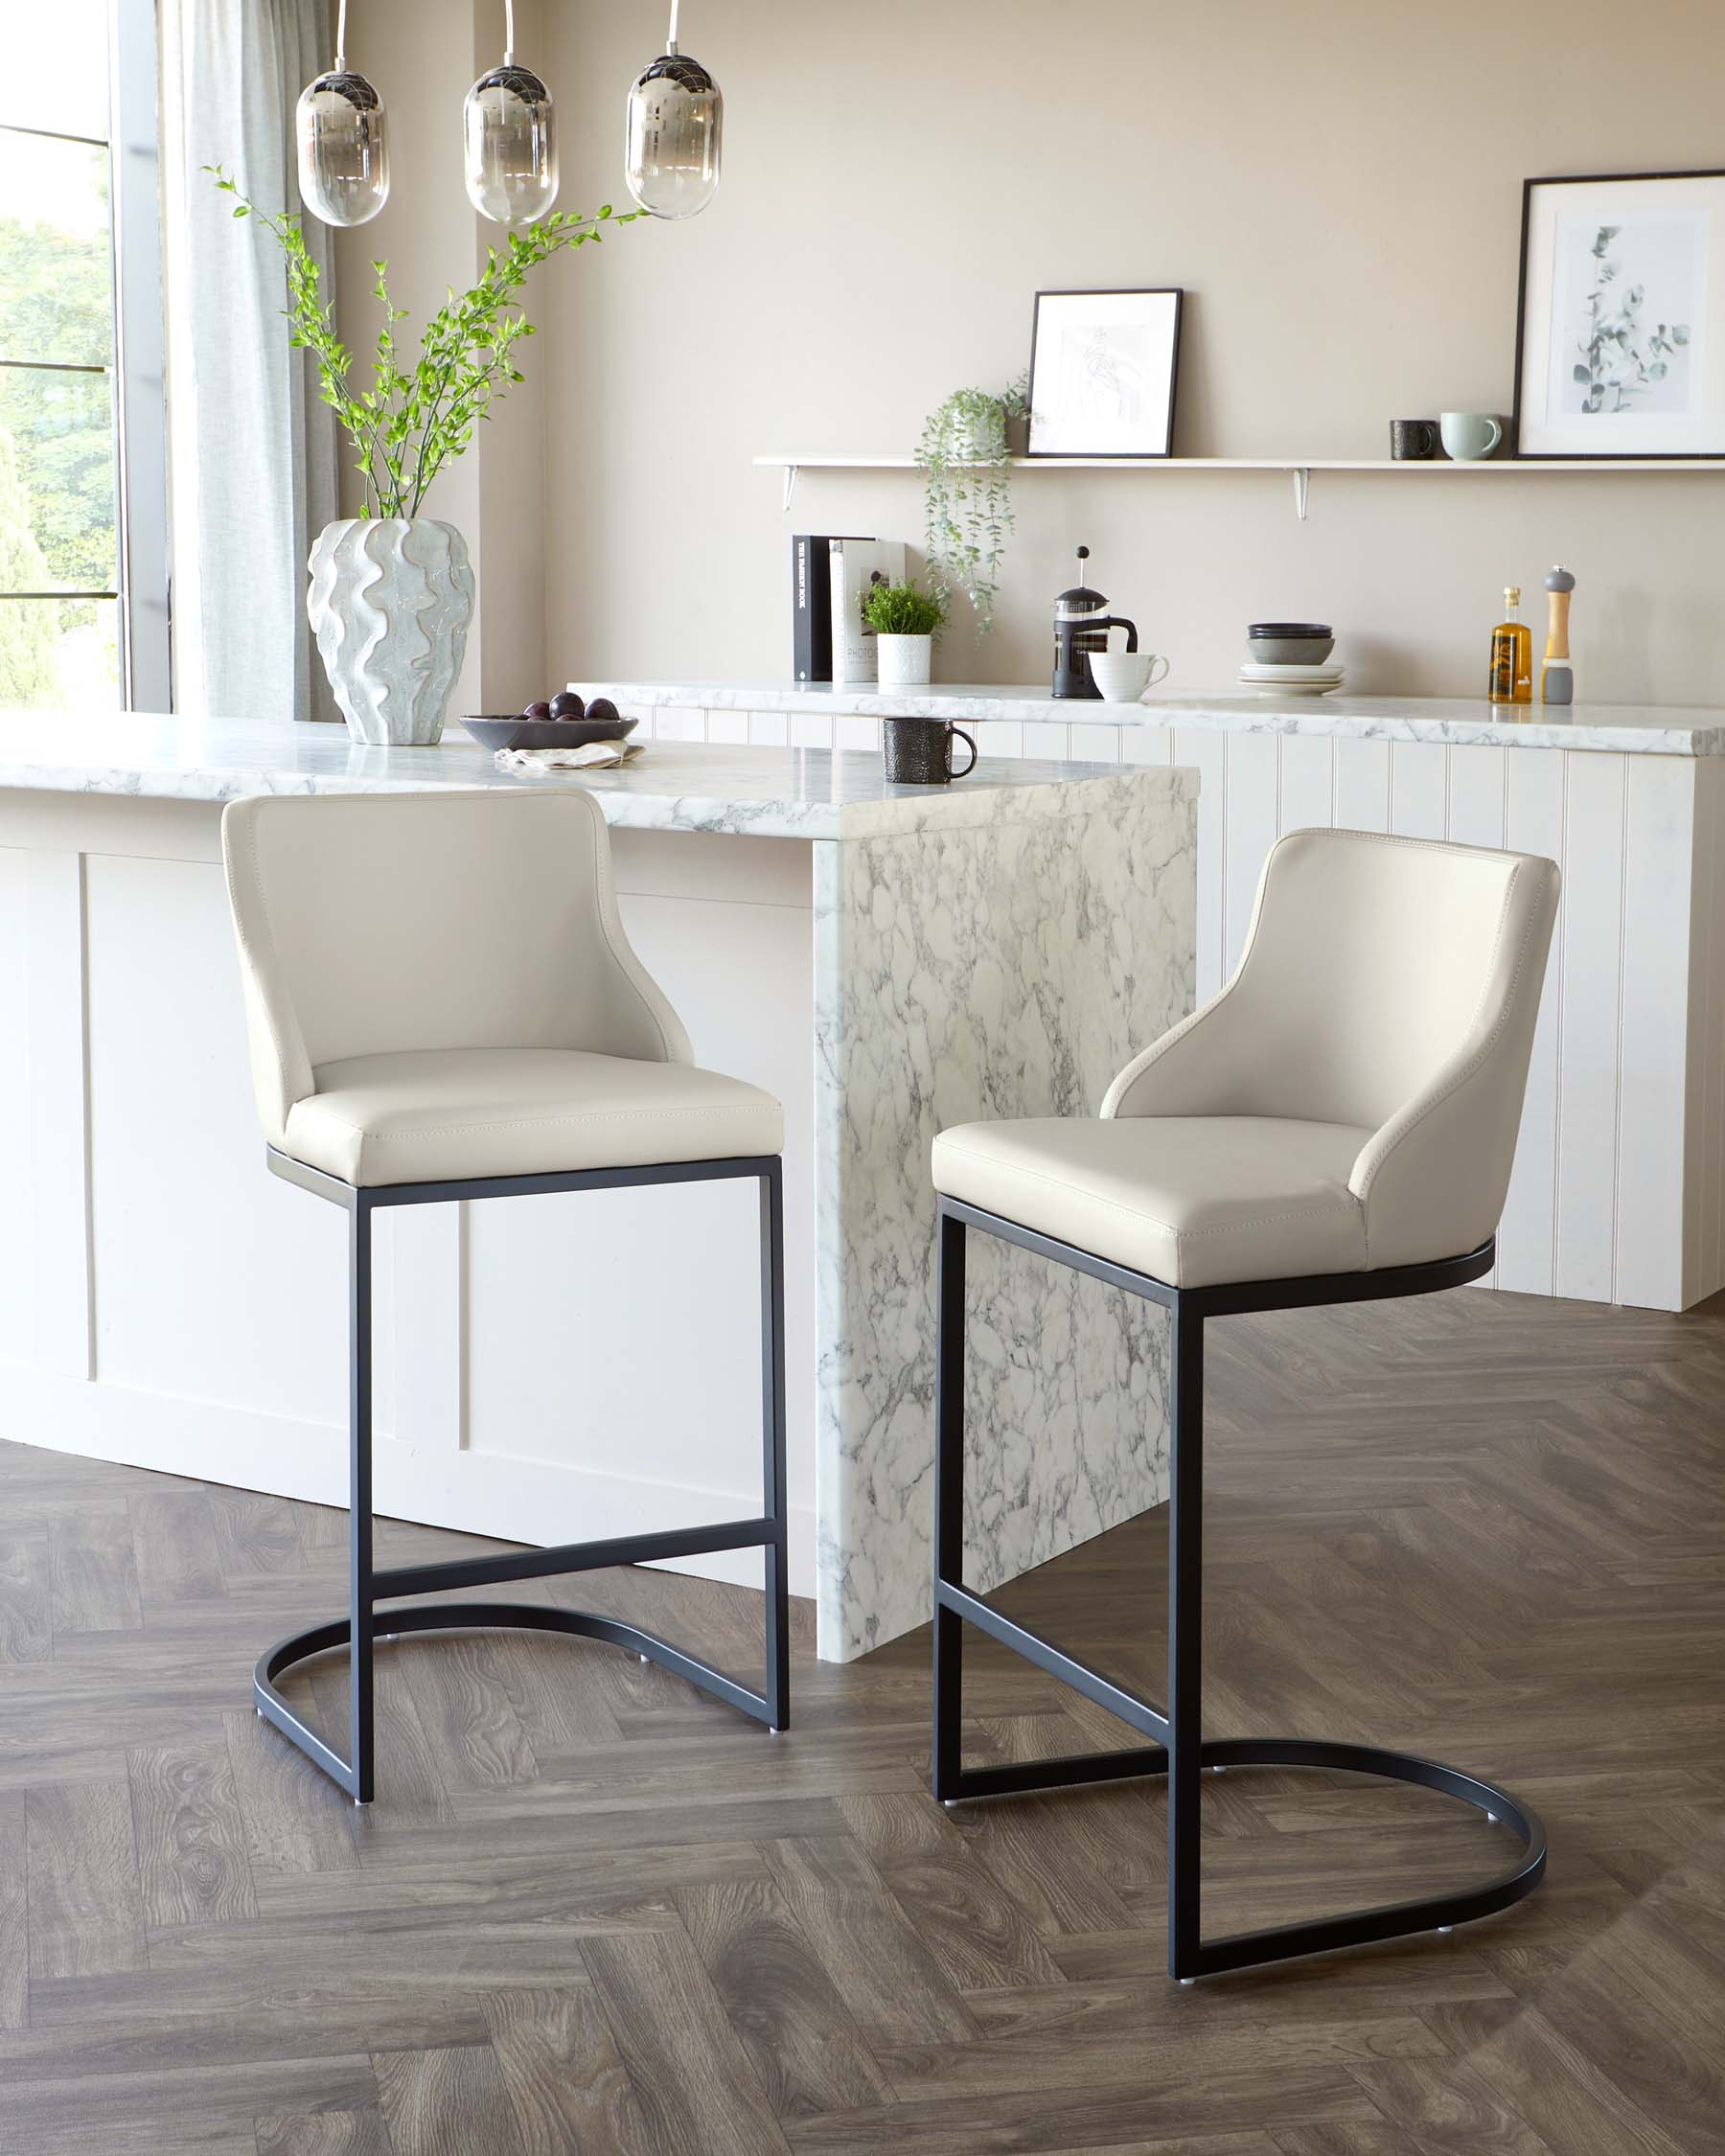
1177	1748
367	1586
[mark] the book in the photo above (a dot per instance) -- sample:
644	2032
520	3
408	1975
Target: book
856	564
811	607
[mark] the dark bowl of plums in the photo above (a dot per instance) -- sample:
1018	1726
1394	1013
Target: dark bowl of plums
563	721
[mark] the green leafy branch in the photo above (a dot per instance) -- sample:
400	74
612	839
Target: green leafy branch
412	422
967	494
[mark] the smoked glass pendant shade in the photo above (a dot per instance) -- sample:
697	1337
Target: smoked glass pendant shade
676	123
510	134
343	147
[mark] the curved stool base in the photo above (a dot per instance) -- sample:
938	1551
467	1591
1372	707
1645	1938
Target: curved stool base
1321	1934
472	1617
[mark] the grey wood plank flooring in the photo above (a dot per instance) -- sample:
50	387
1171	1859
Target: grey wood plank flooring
594	1911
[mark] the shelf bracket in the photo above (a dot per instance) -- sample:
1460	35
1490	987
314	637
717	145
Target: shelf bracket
791	472
1302	481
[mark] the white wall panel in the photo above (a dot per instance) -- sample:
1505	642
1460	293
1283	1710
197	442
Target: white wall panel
1251	777
1308	783
1528	1237
1590	1022
1418	782
17	1180
1363	785
1658	856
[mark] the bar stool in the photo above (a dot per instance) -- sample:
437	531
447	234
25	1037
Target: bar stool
1337	1125
442	1004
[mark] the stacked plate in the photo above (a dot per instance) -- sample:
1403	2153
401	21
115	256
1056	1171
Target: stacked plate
1291	658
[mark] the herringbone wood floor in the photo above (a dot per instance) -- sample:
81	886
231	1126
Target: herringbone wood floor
594	1913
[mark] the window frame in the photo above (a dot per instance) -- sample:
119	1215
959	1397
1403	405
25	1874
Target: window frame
138	363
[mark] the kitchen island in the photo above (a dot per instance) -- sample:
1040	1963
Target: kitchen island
886	960
1618	1191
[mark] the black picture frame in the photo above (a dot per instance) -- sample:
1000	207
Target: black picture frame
1177	294
1517	413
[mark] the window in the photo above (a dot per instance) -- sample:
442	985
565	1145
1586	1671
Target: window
84	615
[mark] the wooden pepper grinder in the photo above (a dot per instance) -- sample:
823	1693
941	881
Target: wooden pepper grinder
1556	677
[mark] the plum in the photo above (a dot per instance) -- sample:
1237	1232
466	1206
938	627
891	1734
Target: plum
541	710
602	707
566	705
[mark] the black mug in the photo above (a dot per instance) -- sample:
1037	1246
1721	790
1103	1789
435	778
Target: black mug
919	751
1413	439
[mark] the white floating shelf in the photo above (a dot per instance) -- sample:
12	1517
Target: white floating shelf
1301	469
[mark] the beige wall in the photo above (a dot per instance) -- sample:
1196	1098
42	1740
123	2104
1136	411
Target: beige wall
1336	187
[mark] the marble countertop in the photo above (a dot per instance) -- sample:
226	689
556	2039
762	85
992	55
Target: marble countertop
1645	728
764	792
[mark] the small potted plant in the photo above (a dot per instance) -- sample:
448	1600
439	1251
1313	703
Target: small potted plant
906	620
966	452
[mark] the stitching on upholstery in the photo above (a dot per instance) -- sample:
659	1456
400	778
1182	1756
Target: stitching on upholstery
532	1123
1136	1212
1479	1055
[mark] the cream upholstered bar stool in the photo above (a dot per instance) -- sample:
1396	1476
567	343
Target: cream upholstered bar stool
442	1004
1337	1125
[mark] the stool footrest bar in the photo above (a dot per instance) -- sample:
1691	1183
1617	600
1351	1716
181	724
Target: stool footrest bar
1137	1713
576	1557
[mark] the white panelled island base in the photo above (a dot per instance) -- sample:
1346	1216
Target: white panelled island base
886	960
1619	1192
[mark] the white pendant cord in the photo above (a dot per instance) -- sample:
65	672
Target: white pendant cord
342	38
509	33
671	41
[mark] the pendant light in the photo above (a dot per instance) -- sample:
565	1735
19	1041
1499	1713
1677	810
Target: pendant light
510	134
343	141
675	120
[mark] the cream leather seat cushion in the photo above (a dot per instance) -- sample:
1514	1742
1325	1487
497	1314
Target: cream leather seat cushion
437	1116
1191	1200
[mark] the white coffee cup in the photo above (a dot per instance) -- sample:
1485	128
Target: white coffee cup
1123	677
1470	436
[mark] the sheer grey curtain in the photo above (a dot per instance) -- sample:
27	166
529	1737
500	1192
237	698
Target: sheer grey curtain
253	450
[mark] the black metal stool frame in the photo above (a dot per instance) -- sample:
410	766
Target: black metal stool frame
367	1586
1178	1748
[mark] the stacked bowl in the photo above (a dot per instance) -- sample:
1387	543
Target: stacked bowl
1291	658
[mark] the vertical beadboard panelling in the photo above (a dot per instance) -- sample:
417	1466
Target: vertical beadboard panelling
1094	744
1528	1237
1206	753
1478	782
1658	860
1306	794
857	733
1474	817
1251	811
1704	1223
679	723
727	726
58	1067
1048	738
769	730
1418	786
997	737
1591	1024
1142	743
810	729
1362	785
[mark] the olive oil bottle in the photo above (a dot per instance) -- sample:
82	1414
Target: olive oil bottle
1511	654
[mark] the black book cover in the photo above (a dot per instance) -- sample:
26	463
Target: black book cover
811	605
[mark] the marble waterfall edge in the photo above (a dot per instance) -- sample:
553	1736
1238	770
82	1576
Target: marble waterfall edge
1010	971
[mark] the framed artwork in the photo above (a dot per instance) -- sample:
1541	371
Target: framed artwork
1620	337
1103	373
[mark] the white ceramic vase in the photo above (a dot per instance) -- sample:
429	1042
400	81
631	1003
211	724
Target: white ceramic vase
389	602
902	660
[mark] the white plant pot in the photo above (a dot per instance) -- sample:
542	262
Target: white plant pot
389	602
904	660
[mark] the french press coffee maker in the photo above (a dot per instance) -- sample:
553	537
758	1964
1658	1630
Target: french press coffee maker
1082	622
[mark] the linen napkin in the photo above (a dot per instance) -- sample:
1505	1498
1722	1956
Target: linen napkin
588	756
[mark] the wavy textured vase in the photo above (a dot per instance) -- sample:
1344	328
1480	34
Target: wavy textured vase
389	602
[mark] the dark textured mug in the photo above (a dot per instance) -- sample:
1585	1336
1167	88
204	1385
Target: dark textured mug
1413	439
919	751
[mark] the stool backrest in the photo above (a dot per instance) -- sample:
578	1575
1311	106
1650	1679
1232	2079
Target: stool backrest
1389	983
373	924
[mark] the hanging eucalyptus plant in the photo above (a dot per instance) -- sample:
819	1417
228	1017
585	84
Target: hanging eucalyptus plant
967	498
